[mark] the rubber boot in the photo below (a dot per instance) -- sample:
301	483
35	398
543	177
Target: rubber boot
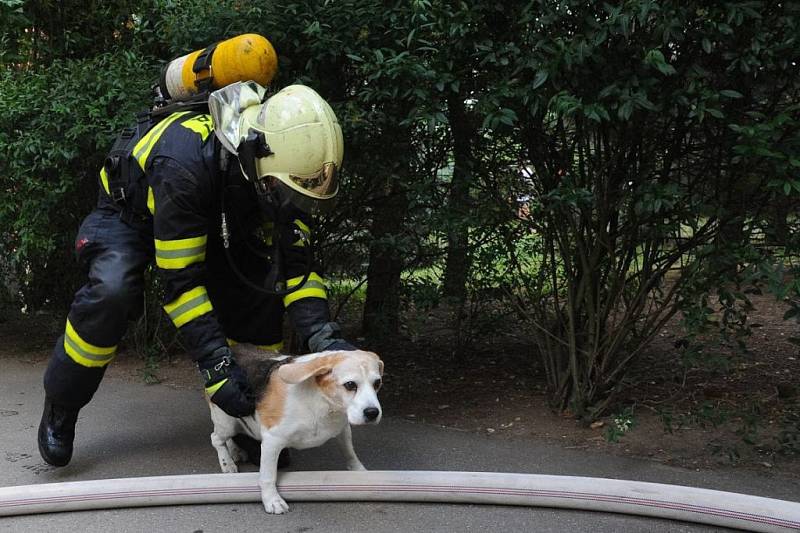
56	433
253	449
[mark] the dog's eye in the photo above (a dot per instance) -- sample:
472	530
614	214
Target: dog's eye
350	385
377	384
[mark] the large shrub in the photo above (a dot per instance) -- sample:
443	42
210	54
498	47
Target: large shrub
57	124
562	157
653	137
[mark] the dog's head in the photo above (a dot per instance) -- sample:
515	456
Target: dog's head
348	379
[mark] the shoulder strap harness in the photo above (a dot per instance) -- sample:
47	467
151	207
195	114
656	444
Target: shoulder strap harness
118	163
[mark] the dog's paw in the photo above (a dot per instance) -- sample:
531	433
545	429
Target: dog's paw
355	466
238	455
228	467
274	504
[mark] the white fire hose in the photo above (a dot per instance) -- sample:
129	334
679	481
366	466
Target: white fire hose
655	500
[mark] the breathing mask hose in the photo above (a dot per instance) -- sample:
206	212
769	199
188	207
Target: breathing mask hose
239	274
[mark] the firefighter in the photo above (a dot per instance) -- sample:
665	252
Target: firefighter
222	202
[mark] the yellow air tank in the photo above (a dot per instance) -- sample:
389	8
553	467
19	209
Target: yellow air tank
246	57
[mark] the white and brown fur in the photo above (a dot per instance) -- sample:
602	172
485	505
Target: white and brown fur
302	404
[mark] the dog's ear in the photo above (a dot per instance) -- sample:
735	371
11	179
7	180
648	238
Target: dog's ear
375	356
294	373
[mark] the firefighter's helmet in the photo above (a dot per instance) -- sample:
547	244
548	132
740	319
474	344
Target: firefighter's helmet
291	140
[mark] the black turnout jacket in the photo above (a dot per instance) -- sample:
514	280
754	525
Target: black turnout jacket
179	190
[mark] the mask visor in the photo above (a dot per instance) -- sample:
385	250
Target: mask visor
303	202
321	184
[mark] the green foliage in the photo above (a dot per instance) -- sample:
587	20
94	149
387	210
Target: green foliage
57	124
706	415
789	436
648	148
748	421
153	336
149	372
554	159
620	424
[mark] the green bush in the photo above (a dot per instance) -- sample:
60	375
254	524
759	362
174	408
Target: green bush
57	124
556	158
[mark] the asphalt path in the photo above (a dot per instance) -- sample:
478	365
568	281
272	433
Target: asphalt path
133	430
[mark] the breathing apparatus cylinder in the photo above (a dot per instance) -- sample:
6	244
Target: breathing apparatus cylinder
246	57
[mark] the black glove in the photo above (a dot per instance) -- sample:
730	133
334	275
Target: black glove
328	337
341	344
226	383
312	321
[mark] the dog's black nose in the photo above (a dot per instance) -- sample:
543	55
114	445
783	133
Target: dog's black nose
371	413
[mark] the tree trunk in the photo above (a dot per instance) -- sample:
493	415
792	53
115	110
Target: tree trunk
457	263
382	307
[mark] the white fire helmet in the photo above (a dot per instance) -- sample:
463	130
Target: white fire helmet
293	137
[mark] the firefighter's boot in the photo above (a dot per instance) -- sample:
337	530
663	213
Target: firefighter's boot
56	433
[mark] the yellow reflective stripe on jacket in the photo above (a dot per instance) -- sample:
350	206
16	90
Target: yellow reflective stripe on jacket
313	288
180	253
104	180
277	347
142	149
188	306
151	201
201	124
303	226
306	231
84	353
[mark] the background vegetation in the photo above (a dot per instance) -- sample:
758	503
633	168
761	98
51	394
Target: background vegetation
582	172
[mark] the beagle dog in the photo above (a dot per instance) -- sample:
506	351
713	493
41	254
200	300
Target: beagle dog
301	402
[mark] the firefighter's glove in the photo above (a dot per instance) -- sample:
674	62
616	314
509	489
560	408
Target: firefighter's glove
328	337
226	383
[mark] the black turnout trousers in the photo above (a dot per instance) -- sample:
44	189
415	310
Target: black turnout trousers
115	255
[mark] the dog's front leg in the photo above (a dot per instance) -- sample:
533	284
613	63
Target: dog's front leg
226	462
268	474
345	440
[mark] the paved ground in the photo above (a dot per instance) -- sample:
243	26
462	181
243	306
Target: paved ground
134	430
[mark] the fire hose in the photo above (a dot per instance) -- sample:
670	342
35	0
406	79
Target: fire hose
654	500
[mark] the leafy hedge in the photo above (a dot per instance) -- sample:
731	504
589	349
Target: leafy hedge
550	160
57	124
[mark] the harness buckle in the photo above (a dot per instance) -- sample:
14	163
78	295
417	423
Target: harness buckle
226	361
118	195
